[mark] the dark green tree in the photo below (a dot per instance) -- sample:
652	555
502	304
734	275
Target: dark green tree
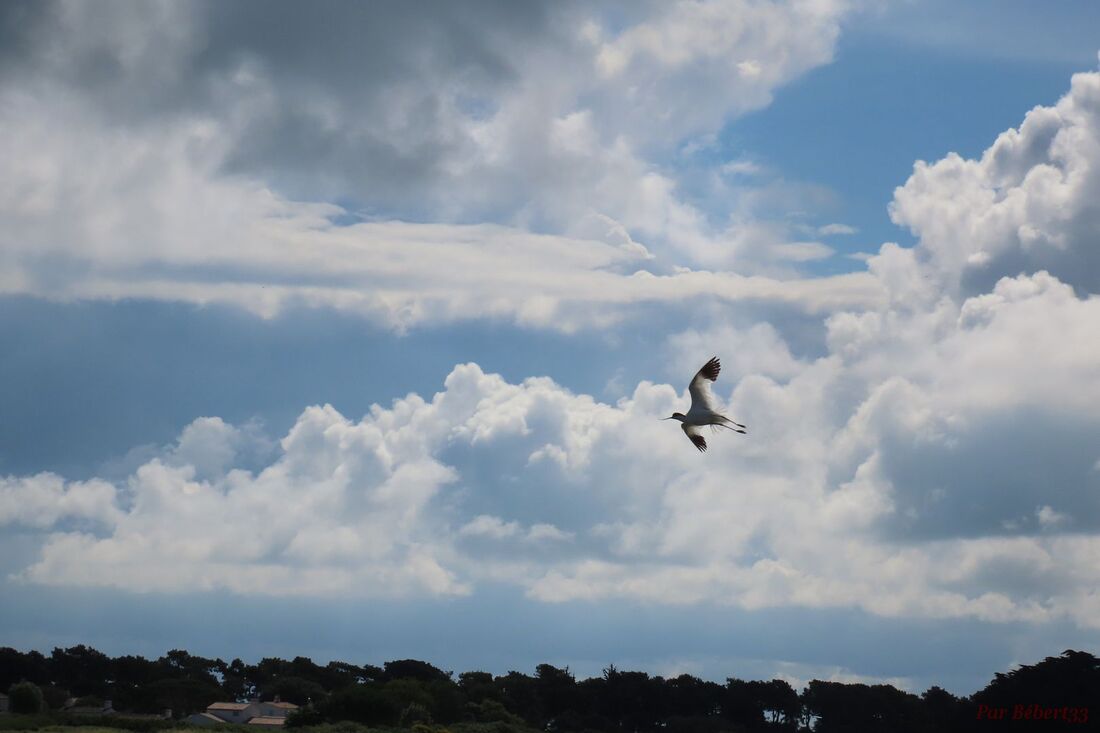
492	711
17	666
298	690
237	682
447	700
1069	681
342	674
81	669
844	708
25	698
181	664
630	700
305	716
183	696
519	693
780	704
414	669
690	697
478	686
556	690
55	697
742	704
364	704
413	714
946	711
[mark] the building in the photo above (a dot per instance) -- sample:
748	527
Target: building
233	712
276	708
73	709
271	714
204	719
268	721
3	703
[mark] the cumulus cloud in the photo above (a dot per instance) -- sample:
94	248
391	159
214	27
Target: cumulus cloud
178	153
930	461
1027	204
139	232
758	349
571	498
690	65
46	500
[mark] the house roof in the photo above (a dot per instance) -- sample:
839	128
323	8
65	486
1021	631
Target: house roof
267	720
208	716
227	705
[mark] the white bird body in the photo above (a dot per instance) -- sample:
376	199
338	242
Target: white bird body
702	411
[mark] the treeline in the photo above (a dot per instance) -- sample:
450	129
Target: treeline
412	693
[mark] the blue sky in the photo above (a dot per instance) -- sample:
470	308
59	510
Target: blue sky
344	333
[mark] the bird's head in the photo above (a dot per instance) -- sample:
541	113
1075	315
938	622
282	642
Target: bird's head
675	416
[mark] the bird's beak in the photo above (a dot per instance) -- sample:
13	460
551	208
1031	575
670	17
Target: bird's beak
665	418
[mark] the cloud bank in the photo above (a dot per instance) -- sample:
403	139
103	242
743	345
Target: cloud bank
182	154
937	458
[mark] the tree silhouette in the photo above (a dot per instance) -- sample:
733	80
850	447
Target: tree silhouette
413	692
362	704
81	669
16	666
414	669
859	708
1065	685
25	698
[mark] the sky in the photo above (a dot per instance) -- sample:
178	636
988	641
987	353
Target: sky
344	330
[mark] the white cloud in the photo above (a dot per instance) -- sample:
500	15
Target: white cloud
131	230
175	177
487	526
909	468
691	65
836	229
141	234
758	350
369	508
548	532
1048	517
740	168
799	675
803	251
44	500
1027	204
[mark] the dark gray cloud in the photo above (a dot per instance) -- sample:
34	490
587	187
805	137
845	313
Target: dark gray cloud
353	101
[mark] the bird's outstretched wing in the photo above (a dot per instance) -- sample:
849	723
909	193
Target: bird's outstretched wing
700	385
693	435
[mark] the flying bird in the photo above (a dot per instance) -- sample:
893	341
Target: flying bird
702	410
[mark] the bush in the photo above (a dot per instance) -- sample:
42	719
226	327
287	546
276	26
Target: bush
25	698
55	697
345	726
491	711
137	725
415	713
25	722
304	716
498	726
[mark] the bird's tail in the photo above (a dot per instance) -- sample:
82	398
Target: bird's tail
734	426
